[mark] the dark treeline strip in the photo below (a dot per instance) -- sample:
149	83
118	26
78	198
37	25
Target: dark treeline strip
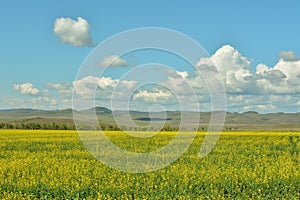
70	126
37	126
100	126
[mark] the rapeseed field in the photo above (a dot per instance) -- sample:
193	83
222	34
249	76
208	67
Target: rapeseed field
47	164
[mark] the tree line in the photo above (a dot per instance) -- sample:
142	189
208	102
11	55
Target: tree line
71	126
37	126
100	126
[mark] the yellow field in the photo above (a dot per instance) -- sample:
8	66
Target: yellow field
243	165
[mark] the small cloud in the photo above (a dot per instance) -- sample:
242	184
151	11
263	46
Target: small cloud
177	74
183	74
47	100
153	96
113	61
75	33
86	86
288	56
26	88
63	89
58	86
266	107
249	107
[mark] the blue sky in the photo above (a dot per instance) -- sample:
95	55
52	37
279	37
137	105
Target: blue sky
32	53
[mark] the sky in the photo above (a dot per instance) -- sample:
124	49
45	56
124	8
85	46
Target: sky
254	45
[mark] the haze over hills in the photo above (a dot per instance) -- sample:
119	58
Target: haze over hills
233	121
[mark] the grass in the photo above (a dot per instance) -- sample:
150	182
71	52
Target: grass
243	165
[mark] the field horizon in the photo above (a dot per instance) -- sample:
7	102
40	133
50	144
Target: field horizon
249	120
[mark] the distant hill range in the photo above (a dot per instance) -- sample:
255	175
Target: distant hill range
234	121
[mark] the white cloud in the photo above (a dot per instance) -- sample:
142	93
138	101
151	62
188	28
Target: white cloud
262	68
113	61
26	88
58	86
47	100
103	91
105	82
288	56
263	89
153	96
249	108
283	78
75	33
235	69
178	82
64	92
228	59
291	70
37	102
183	74
15	101
87	86
261	108
248	90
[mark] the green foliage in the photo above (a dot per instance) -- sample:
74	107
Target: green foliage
37	126
71	126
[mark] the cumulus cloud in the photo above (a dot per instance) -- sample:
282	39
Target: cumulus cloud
113	61
58	86
288	56
87	86
283	78
252	90
291	70
261	68
26	88
183	74
280	79
105	82
261	88
73	32
153	96
103	91
228	59
233	66
178	82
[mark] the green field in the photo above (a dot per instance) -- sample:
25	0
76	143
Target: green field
55	165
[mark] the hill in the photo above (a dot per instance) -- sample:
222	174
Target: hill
234	121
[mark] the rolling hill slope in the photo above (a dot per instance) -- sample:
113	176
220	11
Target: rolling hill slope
234	121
